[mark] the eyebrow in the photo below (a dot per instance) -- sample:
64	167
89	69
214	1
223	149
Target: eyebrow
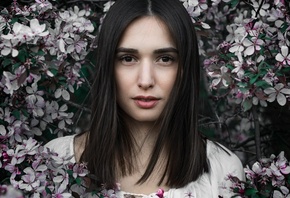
157	51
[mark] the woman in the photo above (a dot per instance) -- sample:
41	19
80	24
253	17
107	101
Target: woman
143	131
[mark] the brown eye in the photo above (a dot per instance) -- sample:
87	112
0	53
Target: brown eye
165	60
127	60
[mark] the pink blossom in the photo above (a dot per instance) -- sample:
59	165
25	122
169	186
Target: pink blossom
160	193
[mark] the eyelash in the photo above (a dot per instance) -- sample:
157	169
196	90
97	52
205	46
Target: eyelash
160	59
168	57
122	58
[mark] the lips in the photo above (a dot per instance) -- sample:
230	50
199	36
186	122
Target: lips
146	102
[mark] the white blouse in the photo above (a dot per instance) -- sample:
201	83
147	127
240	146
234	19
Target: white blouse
209	185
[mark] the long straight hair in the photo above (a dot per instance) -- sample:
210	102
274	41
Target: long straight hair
109	146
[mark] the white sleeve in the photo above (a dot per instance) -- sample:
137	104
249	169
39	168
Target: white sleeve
63	146
223	164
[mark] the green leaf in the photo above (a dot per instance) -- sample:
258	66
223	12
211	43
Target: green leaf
40	53
251	192
263	84
262	50
78	181
263	66
261	36
70	172
6	62
48	191
247	104
234	3
242	85
285	70
22	55
284	27
254	79
16	114
15	66
13	20
230	66
53	71
25	113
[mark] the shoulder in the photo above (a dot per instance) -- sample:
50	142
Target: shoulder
63	146
224	162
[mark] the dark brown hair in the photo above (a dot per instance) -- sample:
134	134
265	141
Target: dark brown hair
109	143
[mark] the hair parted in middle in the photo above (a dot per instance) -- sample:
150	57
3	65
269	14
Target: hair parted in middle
109	147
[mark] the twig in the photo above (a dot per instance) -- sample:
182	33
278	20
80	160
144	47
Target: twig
77	105
72	103
257	132
260	7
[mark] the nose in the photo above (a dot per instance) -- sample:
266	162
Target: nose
146	75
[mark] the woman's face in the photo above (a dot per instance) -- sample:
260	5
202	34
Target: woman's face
145	68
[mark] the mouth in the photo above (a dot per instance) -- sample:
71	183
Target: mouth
146	98
146	102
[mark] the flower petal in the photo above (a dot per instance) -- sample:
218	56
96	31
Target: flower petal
249	51
272	97
269	90
57	93
285	91
65	94
284	50
279	58
281	99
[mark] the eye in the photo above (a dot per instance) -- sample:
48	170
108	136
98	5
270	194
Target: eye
165	60
127	60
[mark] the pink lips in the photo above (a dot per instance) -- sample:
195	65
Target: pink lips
146	102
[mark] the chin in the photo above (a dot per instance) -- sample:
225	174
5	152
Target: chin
146	118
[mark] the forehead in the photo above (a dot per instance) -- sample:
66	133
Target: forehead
147	29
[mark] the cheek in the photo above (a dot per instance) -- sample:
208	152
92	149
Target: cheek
123	81
167	80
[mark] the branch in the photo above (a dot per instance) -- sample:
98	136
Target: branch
71	103
260	7
257	132
76	105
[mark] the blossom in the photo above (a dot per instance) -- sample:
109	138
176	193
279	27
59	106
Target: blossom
29	181
9	47
37	29
262	8
282	164
10	191
195	7
108	5
283	194
283	57
277	92
11	82
35	42
62	92
160	193
252	45
238	69
221	77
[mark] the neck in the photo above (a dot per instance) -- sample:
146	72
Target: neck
144	134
